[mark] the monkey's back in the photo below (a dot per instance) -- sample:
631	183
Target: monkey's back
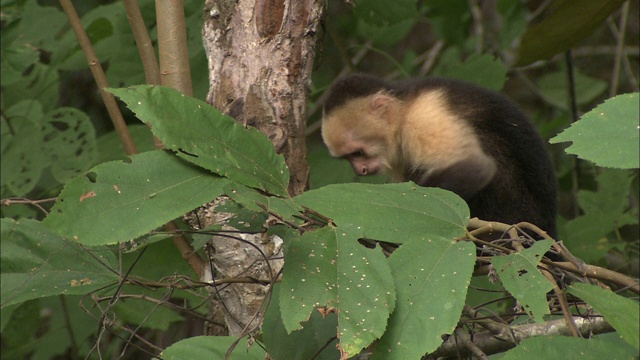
525	187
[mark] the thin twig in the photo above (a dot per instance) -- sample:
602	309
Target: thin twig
468	343
18	200
562	299
99	77
619	34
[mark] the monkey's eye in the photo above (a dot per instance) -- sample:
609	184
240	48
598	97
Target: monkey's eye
358	153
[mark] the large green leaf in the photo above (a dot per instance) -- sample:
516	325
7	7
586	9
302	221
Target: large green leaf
622	313
520	276
212	347
390	212
569	22
38	263
330	269
204	136
432	277
607	135
118	201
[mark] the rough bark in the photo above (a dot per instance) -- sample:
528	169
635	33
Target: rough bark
260	60
260	56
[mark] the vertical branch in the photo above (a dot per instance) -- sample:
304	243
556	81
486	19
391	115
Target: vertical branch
573	113
172	46
176	73
619	35
100	77
143	41
145	49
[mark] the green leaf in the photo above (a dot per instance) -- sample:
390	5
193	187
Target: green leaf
378	12
608	135
328	268
15	61
386	35
243	218
65	313
63	140
555	89
569	22
38	33
568	348
520	276
38	263
431	277
450	19
69	140
204	136
156	187
303	344
145	314
41	83
390	212
110	147
22	156
18	338
212	347
622	313
604	211
514	22
483	70
285	208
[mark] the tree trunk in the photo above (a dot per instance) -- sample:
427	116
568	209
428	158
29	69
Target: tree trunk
260	57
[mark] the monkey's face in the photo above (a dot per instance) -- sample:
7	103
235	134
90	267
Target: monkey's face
364	164
366	155
362	132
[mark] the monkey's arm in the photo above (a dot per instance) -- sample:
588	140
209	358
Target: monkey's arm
465	177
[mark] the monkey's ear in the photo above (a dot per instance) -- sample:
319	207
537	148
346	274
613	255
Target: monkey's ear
381	103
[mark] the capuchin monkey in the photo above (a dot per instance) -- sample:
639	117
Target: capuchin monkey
449	134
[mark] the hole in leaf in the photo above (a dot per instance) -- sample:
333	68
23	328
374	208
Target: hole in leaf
186	153
59	125
522	272
92	176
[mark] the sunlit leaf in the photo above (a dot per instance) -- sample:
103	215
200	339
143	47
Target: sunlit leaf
204	136
118	201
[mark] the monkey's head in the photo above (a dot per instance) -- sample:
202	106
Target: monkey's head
362	130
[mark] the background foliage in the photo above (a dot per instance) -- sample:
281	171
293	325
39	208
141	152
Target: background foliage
60	276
